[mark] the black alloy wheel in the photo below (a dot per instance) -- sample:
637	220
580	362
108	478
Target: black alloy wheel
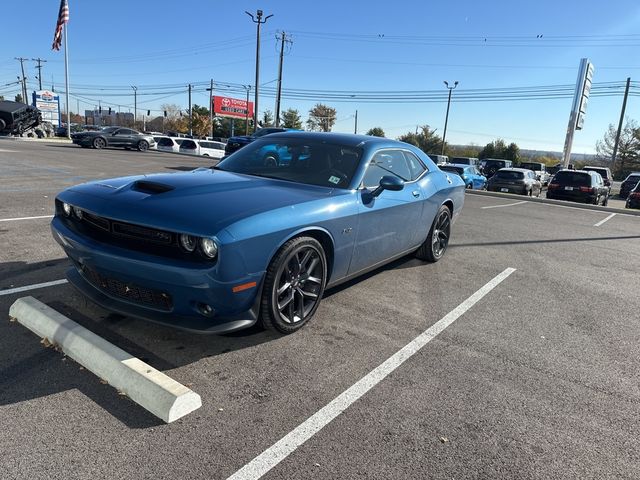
143	146
294	285
436	243
270	160
99	143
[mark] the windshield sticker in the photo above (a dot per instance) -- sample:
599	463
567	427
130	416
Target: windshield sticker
335	180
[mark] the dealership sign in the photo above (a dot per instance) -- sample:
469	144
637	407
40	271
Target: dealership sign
232	107
49	105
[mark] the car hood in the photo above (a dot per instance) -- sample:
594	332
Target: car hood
200	202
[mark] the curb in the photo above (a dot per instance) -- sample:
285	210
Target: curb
148	387
563	203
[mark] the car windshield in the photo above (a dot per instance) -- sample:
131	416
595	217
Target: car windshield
452	169
466	161
531	166
572	179
301	160
601	171
633	178
509	175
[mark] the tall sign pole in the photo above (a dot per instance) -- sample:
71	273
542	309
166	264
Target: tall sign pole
624	107
579	107
258	21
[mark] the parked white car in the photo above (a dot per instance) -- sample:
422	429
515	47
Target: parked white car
168	144
203	148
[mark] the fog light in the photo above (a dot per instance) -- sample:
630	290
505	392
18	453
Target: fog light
205	309
66	208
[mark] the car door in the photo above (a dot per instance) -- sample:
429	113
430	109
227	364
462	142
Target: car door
387	223
119	137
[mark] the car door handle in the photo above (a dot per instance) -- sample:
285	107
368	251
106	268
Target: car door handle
416	193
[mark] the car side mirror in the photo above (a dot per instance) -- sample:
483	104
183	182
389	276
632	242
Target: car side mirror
388	182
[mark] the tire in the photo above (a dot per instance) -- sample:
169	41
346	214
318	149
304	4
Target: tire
143	146
469	186
435	245
19	128
294	285
270	160
3	124
99	143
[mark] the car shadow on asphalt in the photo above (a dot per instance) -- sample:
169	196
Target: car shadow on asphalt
555	240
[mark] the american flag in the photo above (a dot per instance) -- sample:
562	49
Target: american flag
63	17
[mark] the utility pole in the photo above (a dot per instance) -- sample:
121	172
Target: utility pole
284	40
258	21
39	67
624	107
446	119
24	79
135	105
190	114
210	90
246	116
355	129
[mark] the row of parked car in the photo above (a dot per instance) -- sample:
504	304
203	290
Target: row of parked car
191	146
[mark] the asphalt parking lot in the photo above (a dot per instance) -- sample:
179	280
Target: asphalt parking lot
538	379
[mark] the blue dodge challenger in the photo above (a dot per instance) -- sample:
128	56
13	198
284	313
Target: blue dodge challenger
219	249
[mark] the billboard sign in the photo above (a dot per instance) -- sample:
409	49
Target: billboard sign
48	103
232	107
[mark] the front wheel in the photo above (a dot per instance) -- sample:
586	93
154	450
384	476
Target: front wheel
99	143
294	285
433	248
143	146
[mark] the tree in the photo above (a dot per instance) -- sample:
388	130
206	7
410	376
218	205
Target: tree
628	155
291	119
174	121
499	149
267	119
426	139
18	98
321	118
1	98
375	132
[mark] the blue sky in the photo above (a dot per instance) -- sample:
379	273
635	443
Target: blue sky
350	46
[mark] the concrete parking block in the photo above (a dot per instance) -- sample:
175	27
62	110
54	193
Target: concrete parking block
148	387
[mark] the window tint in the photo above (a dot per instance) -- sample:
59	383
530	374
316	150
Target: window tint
572	178
188	144
416	167
386	162
452	169
509	175
165	142
125	131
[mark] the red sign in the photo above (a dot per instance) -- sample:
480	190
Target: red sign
232	107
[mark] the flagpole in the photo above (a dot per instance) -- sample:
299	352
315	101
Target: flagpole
66	81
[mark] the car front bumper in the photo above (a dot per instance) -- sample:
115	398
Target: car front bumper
157	289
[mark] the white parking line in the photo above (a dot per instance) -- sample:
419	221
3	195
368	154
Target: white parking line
24	218
268	459
506	205
602	221
32	287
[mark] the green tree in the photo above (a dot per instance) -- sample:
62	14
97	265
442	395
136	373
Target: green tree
426	139
321	118
628	155
1	98
291	119
499	149
267	119
18	98
375	132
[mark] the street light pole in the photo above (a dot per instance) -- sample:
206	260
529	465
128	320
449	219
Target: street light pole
135	105
258	21
246	114
446	118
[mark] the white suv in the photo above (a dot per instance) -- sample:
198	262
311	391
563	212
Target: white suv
168	144
203	148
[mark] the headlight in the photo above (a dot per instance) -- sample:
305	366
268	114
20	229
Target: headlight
188	242
209	247
77	212
66	208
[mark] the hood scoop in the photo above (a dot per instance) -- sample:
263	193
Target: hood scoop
145	186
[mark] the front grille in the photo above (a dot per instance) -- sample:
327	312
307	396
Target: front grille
134	293
142	233
96	221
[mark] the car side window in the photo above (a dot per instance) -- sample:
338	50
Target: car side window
386	162
416	167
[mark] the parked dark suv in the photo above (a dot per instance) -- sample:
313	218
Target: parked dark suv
489	166
633	200
16	117
629	183
578	186
604	172
236	143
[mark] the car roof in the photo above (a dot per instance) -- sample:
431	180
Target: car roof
461	165
514	169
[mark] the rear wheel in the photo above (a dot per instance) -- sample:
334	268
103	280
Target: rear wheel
270	160
99	143
143	145
3	124
433	248
294	285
